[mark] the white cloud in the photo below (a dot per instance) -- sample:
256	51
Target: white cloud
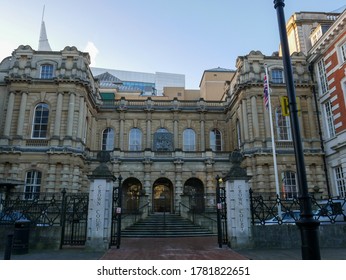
93	52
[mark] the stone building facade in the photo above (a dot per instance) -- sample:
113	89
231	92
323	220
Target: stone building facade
54	123
248	122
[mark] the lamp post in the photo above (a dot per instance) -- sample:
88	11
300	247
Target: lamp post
218	210
307	224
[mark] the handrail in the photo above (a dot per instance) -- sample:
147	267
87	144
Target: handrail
137	213
194	213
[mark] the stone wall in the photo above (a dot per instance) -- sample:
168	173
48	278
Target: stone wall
288	236
39	237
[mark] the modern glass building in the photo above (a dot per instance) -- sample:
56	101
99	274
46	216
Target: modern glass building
149	84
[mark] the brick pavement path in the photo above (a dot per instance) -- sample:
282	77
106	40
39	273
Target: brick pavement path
179	248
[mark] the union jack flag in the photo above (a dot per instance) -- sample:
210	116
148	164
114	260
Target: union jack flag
265	93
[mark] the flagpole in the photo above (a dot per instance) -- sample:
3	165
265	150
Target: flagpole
277	187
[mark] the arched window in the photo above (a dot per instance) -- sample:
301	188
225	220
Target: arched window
108	139
40	121
135	139
32	184
46	71
283	126
215	140
289	185
189	140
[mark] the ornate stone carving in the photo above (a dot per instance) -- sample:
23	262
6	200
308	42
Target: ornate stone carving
163	141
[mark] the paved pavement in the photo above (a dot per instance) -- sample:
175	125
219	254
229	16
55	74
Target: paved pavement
291	254
185	248
188	248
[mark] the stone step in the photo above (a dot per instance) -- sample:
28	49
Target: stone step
169	225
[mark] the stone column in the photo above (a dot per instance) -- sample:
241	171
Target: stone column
238	205
99	214
245	121
57	120
147	164
175	133
21	116
81	119
148	136
121	134
76	178
238	213
100	208
202	124
70	115
255	124
65	176
210	187
51	183
9	114
178	184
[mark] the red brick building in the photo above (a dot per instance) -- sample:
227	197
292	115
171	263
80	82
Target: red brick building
328	57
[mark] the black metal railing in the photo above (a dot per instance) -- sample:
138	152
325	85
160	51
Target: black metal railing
196	217
269	208
41	209
74	219
134	215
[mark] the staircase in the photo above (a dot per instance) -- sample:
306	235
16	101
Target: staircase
165	225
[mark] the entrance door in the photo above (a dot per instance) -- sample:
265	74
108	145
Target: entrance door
162	195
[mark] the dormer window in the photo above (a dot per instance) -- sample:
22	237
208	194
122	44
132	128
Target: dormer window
46	71
316	35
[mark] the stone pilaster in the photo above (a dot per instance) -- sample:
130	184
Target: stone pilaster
9	114
21	116
57	119
70	115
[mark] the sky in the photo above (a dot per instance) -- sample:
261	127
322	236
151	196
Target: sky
173	36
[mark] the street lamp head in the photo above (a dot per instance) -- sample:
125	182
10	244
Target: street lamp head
279	3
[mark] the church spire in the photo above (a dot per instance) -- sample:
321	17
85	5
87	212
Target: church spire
43	44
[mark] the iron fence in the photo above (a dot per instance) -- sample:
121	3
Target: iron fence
41	209
269	208
74	219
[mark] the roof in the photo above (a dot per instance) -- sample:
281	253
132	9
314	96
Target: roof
340	10
219	69
108	81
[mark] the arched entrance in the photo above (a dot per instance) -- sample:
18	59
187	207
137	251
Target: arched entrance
195	189
132	189
162	195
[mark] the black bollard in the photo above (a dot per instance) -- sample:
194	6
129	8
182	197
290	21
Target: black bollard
8	248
